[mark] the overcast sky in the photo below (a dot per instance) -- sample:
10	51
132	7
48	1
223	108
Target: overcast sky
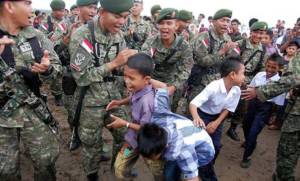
266	10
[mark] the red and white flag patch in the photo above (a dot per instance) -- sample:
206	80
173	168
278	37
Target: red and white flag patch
45	26
62	27
75	67
237	50
87	46
205	42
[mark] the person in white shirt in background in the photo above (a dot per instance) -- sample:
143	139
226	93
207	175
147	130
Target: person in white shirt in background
258	113
210	108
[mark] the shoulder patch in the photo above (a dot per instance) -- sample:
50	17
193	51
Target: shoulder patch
205	42
87	46
79	59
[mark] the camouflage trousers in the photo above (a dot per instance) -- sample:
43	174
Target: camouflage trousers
126	159
92	122
41	146
56	86
288	153
69	106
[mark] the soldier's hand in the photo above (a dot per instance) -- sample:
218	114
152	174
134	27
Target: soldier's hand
43	66
249	93
122	57
112	105
5	41
116	122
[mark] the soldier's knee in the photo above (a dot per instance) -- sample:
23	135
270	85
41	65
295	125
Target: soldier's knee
9	167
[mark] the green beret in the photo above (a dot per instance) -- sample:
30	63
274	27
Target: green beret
184	15
222	13
73	7
116	6
86	2
57	5
167	13
155	9
259	25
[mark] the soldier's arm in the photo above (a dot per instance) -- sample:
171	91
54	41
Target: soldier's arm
273	89
46	44
147	46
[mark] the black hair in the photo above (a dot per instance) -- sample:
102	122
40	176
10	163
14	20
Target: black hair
236	20
230	64
275	57
269	32
201	14
252	20
141	62
210	18
152	140
294	43
298	20
37	12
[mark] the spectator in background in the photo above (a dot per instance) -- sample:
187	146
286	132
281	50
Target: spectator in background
244	35
235	31
267	41
251	21
38	19
293	36
210	22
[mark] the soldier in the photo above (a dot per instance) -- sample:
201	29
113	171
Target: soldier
288	149
74	13
97	53
53	22
87	10
137	29
235	34
154	14
184	19
171	53
209	50
253	55
26	58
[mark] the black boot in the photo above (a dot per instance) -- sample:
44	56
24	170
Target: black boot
75	141
92	177
232	132
58	100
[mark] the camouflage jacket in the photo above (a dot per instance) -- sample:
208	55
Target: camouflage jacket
286	82
24	58
142	30
206	54
100	91
44	27
236	36
176	69
256	64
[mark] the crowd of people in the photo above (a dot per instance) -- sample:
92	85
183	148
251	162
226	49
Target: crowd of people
162	85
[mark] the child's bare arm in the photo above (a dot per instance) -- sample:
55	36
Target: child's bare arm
212	126
116	103
120	123
158	84
196	118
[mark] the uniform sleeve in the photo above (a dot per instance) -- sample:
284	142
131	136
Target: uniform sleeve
82	59
147	46
46	44
184	69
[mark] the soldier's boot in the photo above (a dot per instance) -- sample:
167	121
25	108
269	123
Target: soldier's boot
75	141
245	163
58	100
92	177
231	132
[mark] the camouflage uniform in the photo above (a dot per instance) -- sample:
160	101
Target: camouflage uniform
154	28
142	30
103	88
20	119
252	67
55	86
236	36
208	59
288	150
176	69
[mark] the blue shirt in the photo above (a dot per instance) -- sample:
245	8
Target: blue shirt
141	105
190	146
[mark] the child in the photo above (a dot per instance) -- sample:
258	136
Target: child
137	78
258	113
210	108
267	41
291	51
175	139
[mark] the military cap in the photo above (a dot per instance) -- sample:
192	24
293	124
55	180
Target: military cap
222	13
86	2
167	13
184	15
57	5
138	1
155	9
73	7
116	6
259	25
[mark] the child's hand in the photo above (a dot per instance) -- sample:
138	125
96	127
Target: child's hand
211	127
112	105
116	122
199	123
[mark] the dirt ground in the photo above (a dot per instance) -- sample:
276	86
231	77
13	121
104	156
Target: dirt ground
227	165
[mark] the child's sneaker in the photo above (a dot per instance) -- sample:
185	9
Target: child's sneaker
245	163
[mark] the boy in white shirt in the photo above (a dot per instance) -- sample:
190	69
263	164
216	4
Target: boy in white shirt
210	108
258	113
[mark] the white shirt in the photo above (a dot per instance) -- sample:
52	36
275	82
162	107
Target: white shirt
214	98
261	79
